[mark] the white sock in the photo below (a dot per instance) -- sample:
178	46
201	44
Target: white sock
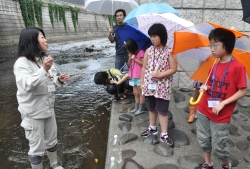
211	164
153	127
163	134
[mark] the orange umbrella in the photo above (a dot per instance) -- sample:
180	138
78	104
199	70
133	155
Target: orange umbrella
192	52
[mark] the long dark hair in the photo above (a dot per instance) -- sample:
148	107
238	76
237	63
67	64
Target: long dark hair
131	46
29	46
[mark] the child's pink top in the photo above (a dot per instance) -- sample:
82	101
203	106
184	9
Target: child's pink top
135	68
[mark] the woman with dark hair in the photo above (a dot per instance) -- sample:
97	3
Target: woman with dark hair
36	78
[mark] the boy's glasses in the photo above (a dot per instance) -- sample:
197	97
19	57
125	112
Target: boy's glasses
213	46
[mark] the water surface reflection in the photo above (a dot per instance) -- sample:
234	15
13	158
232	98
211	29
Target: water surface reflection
82	112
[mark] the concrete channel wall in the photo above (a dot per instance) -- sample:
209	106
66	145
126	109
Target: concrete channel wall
224	12
11	23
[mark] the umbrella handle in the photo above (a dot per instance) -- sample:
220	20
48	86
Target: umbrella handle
191	101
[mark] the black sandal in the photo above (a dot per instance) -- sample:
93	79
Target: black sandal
116	98
123	96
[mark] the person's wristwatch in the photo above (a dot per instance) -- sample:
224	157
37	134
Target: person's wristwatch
112	34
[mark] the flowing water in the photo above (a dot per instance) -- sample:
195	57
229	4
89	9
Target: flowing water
82	108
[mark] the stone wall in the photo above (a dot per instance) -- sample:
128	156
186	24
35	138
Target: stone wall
89	26
224	12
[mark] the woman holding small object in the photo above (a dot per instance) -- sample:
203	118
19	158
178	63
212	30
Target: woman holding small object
36	80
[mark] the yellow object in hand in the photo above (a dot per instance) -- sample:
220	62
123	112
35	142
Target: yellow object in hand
194	103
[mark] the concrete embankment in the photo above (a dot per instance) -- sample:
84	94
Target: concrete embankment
187	154
89	25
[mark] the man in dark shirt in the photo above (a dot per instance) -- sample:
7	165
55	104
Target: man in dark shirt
121	55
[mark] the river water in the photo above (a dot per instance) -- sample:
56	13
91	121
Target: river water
82	108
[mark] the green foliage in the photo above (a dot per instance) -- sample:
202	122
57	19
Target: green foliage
31	9
38	12
111	19
57	12
31	16
62	17
51	10
23	6
27	12
74	15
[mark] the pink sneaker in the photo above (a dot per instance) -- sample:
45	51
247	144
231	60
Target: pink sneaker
206	166
226	167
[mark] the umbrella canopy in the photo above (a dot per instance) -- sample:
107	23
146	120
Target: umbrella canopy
169	20
108	7
192	51
149	8
246	10
128	31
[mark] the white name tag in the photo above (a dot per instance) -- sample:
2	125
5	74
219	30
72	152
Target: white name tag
131	83
51	88
213	102
152	86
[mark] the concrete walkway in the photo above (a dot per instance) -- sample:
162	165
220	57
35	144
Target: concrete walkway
188	155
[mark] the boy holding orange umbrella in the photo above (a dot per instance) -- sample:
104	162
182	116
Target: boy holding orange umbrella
225	86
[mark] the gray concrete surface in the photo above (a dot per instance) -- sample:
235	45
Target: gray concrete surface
144	152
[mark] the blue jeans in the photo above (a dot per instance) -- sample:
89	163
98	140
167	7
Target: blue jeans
115	89
120	60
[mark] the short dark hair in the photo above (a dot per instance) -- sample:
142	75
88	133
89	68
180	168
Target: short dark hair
159	30
28	43
120	10
130	45
224	36
101	78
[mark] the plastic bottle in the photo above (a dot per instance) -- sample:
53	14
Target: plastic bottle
116	149
113	163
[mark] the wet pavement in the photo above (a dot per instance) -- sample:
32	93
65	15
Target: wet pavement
151	154
82	108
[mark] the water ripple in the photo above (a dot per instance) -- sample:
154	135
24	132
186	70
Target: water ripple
82	111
